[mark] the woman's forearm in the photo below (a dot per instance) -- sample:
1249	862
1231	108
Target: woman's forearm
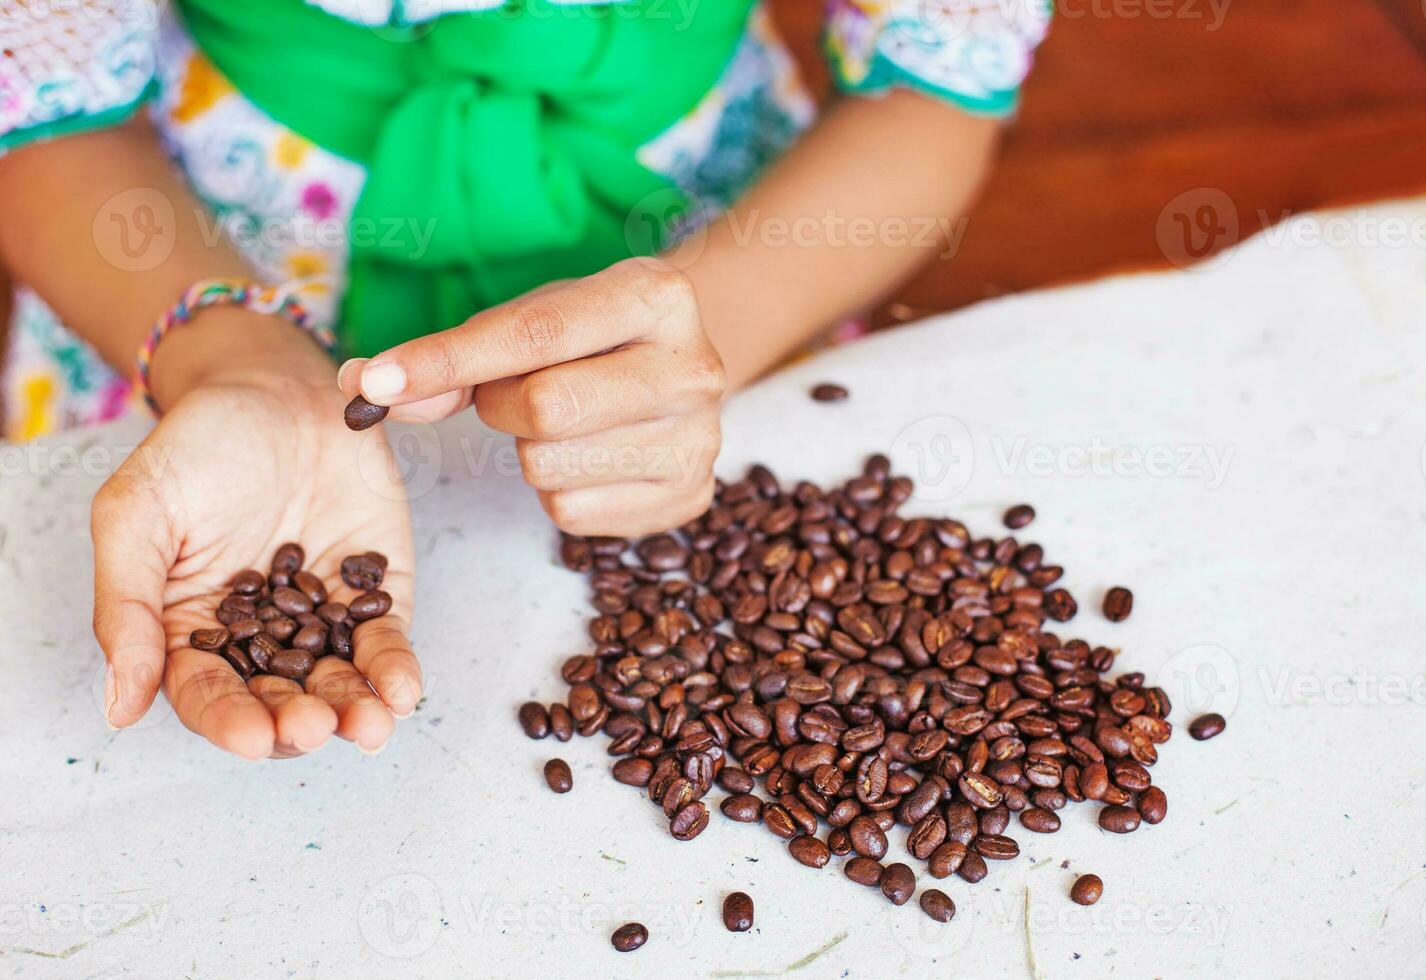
872	192
107	233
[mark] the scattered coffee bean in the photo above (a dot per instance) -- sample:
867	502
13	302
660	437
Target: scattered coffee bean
1018	516
1205	727
898	883
738	912
938	905
361	414
1119	819
1040	821
561	722
1153	805
558	776
1086	889
1118	603
862	870
534	719
828	392
743	807
810	851
689	822
629	937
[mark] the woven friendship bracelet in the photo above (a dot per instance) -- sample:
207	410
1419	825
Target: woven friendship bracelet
281	300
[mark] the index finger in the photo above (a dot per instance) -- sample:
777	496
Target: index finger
622	304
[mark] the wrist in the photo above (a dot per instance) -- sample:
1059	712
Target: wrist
230	344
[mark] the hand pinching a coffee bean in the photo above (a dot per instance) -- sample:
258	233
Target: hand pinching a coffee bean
609	384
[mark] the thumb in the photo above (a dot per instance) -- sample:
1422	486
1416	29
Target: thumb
130	571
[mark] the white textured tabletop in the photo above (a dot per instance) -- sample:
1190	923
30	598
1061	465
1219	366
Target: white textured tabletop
1242	446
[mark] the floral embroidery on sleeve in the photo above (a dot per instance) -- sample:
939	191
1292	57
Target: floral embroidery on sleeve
973	53
67	67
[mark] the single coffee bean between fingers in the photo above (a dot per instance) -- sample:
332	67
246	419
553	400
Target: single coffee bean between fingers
361	414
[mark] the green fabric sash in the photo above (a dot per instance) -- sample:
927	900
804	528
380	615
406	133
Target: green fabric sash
500	146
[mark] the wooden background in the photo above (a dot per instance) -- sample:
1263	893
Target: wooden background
1288	105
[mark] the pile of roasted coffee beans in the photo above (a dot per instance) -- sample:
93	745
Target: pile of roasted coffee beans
281	622
839	670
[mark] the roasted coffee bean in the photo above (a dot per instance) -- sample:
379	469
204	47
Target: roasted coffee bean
561	721
1018	516
898	883
364	572
313	639
779	821
1205	727
339	641
241	663
926	836
980	791
995	820
863	870
1153	805
369	605
632	771
311	586
361	414
288	558
534	719
248	582
1118	603
737	912
291	601
867	838
735	780
211	640
1060	605
973	868
742	807
630	936
946	859
558	776
809	850
282	628
1119	819
1086	889
937	904
828	392
689	822
295	665
996	847
1040	821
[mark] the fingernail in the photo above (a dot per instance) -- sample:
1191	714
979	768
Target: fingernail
111	696
351	364
408	714
381	381
376	751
